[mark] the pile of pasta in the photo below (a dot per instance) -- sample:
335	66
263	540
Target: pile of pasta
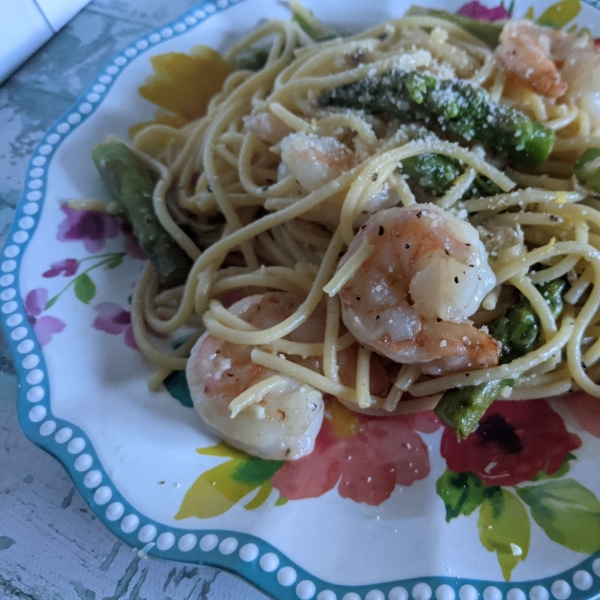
225	198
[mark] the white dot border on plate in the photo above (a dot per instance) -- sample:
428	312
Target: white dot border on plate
250	557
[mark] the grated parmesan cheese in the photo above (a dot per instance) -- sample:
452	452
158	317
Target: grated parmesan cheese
561	197
439	35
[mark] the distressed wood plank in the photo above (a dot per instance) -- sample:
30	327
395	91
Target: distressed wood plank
51	546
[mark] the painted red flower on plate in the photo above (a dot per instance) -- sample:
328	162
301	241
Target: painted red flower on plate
366	457
586	410
513	443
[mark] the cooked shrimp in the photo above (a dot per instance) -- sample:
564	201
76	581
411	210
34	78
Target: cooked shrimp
314	160
528	52
553	63
410	300
218	371
266	127
581	70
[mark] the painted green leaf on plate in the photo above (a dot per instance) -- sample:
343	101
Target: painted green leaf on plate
261	496
115	262
255	471
85	288
462	493
568	513
562	470
222	449
51	302
559	14
223	486
176	385
504	528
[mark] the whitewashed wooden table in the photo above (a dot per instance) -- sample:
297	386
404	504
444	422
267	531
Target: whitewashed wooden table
51	546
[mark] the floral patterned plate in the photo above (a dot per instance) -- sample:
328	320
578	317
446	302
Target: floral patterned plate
386	508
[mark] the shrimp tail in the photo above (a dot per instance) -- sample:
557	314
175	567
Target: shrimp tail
543	78
451	343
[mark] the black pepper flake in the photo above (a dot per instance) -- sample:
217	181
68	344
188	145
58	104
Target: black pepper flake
229	374
407	246
381	230
377	317
358	297
467	375
363	226
270	181
357	56
467	244
419	214
447	251
471	266
209	189
439	320
382	37
375	176
456	280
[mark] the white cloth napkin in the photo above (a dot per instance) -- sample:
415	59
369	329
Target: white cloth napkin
27	24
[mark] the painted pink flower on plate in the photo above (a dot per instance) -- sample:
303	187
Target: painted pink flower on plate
478	11
67	267
114	320
366	457
91	227
131	246
44	326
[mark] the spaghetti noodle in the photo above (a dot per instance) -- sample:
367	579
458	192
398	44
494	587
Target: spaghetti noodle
287	182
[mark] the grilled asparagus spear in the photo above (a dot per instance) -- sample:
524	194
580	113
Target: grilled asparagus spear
131	183
436	173
252	59
587	169
518	331
458	107
314	28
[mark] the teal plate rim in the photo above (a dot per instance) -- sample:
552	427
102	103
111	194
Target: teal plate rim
244	555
